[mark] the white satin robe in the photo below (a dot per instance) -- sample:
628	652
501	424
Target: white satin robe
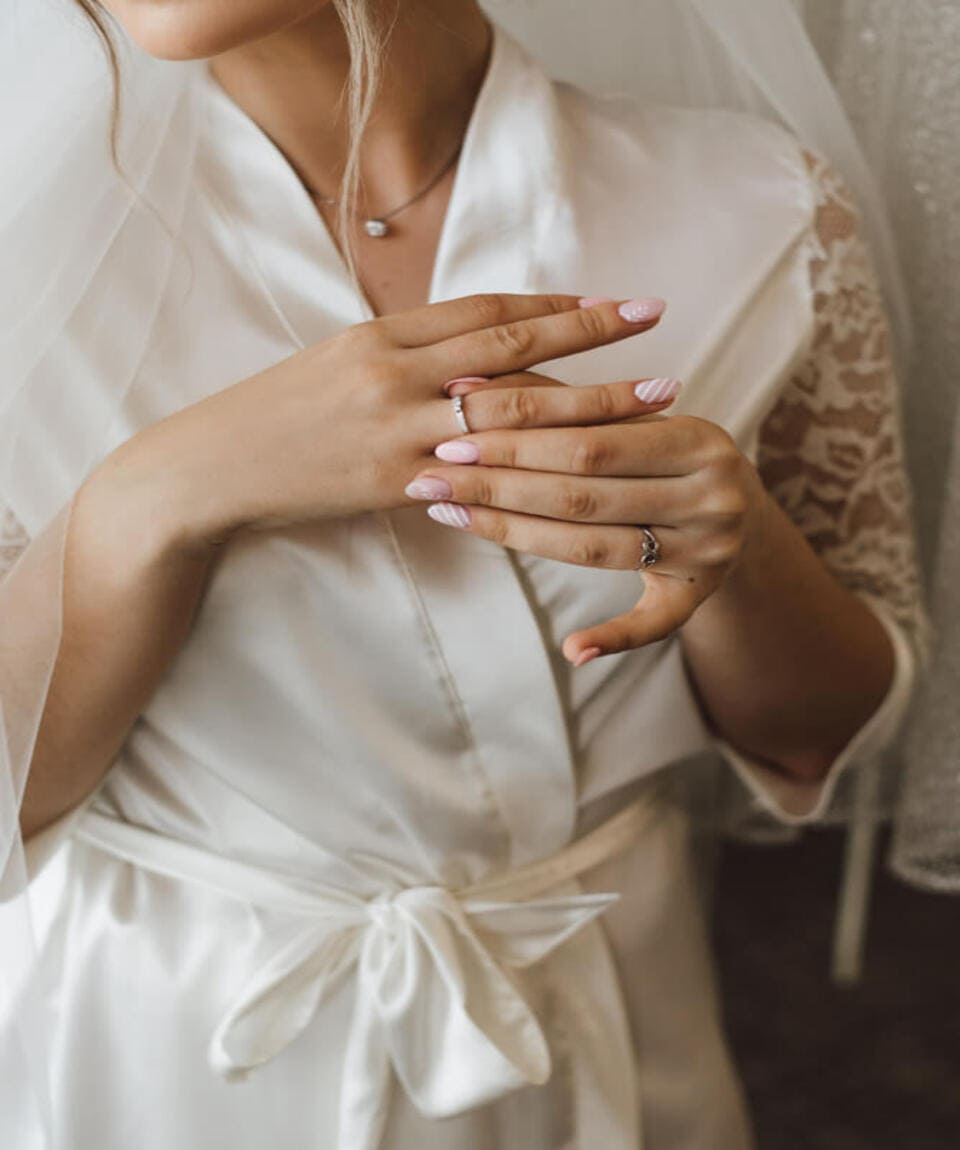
381	703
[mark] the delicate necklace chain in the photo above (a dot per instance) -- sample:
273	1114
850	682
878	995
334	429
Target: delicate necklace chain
378	226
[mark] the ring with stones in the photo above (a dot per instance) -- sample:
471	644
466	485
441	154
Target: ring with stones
651	549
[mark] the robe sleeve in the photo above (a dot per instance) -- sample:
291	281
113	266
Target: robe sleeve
831	454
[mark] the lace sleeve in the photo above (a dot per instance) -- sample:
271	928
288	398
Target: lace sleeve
13	539
831	450
831	454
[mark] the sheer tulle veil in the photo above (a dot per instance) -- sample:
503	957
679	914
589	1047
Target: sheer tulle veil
87	254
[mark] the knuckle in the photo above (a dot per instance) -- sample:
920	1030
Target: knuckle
557	304
488	308
365	337
719	551
725	509
722	452
605	402
590	456
498	531
589	553
482	491
502	451
592	324
577	503
519	408
515	338
356	335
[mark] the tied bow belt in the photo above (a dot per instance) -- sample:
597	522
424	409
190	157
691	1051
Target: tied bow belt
434	1001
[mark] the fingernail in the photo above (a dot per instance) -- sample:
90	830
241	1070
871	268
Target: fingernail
593	300
452	514
465	379
457	451
642	310
586	656
429	488
657	390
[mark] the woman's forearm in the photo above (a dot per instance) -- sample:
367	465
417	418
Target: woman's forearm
788	665
130	590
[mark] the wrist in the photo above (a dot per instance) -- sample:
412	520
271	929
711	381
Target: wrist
139	500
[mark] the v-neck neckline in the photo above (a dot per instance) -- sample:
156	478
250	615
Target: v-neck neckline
507	174
509	203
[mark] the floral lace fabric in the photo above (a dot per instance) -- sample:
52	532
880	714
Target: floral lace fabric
831	450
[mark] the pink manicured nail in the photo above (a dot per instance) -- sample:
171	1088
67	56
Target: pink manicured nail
457	451
642	310
593	300
452	514
465	379
657	390
428	488
587	655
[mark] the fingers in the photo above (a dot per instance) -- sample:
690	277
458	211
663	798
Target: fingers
516	345
613	548
664	606
437	322
514	379
540	405
650	447
569	498
668	595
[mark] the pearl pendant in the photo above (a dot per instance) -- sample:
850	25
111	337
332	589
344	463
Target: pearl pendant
376	229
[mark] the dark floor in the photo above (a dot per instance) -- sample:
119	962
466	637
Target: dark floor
872	1067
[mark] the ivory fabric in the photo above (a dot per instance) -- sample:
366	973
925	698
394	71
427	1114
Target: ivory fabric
378	708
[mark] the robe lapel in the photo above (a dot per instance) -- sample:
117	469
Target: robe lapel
506	200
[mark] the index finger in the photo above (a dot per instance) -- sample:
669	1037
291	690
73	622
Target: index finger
436	322
521	344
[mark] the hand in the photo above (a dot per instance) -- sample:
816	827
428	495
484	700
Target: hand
576	494
341	427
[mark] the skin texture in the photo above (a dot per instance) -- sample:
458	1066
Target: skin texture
197	29
787	664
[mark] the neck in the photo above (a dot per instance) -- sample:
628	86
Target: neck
291	84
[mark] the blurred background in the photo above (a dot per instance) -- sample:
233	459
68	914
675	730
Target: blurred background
872	1066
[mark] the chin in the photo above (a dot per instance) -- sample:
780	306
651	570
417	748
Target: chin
199	29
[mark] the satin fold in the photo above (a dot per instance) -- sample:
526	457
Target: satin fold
437	1005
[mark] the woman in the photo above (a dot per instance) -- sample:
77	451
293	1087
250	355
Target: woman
327	893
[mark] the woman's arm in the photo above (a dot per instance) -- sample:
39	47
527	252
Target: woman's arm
788	658
272	450
130	591
763	569
787	664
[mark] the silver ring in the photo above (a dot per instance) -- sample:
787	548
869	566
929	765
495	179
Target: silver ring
651	549
460	414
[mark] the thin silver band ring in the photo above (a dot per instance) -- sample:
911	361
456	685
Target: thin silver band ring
460	414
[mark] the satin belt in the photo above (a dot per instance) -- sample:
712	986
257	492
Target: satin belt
435	1002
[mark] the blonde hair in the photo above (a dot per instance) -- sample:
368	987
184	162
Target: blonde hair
367	31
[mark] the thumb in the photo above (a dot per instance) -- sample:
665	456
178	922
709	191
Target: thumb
664	606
